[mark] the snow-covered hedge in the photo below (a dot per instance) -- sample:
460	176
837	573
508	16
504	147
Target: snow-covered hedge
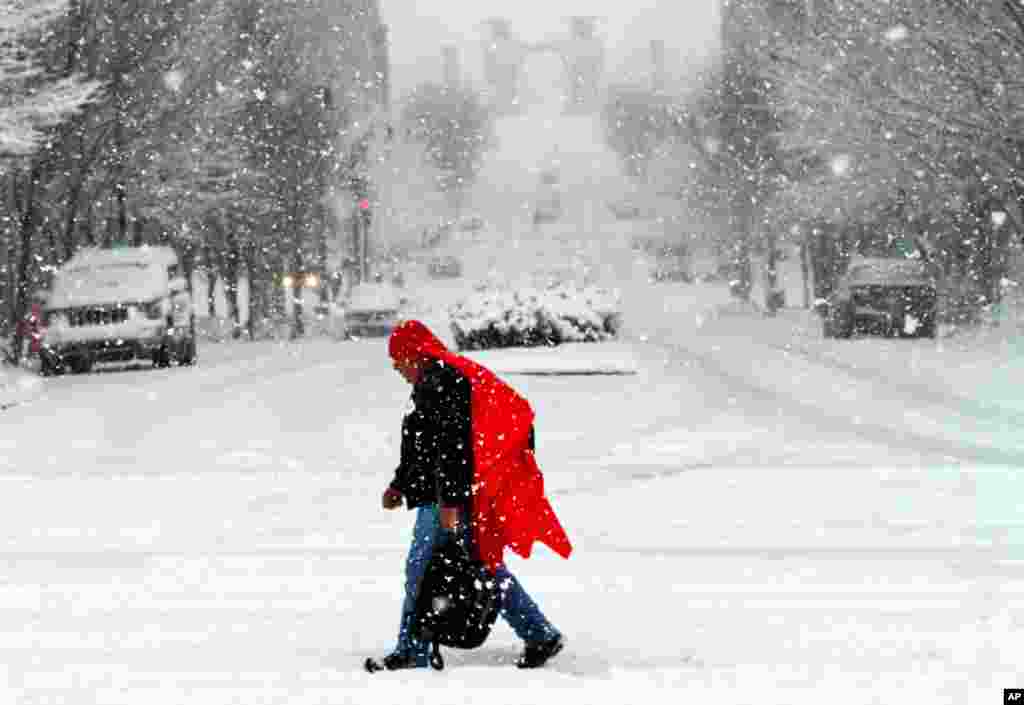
507	318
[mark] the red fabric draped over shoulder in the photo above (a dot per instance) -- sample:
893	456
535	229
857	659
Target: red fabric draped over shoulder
510	509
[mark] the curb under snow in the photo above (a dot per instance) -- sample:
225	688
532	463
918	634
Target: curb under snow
571	359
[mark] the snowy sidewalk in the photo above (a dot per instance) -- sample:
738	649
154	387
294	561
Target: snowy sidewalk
17	386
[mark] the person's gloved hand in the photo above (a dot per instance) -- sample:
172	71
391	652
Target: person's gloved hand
392	498
450	518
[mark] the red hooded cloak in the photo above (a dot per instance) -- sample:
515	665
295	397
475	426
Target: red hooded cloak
509	505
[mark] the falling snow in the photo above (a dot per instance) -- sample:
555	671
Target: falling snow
758	266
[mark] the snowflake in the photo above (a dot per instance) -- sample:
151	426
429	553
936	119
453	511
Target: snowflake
174	79
897	33
840	164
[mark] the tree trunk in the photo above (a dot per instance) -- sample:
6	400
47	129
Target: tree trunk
71	220
51	239
268	293
277	304
249	254
321	256
805	270
27	228
357	248
119	95
122	205
10	295
741	230
296	267
211	281
187	253
74	40
89	236
108	232
771	279
742	274
298	324
138	232
231	258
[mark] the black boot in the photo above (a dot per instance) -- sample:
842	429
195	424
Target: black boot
392	662
536	655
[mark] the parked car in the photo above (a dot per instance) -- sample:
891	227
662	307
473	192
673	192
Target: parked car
547	210
444	267
887	295
472	223
625	210
671	271
372	309
435	235
118	305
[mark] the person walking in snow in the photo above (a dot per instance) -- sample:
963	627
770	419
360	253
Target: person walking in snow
30	331
467	466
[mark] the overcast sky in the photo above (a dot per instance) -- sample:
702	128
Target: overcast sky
420	27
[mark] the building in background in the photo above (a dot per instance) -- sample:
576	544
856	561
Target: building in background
581	52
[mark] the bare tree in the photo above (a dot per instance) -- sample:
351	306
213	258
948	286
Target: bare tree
34	98
637	123
454	127
913	97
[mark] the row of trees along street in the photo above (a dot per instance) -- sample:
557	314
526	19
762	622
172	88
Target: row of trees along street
219	127
846	127
454	127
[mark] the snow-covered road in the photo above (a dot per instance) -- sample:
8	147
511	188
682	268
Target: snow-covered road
213	535
759	515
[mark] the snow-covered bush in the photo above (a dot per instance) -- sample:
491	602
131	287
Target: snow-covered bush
529	317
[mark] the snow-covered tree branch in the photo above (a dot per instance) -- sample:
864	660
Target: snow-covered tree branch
31	98
454	127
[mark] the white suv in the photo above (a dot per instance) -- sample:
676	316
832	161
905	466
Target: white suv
117	305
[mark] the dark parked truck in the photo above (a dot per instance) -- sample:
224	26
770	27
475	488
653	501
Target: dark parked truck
118	305
885	295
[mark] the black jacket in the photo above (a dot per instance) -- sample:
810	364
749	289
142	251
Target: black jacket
437	452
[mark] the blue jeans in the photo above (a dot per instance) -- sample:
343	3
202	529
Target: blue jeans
517	608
